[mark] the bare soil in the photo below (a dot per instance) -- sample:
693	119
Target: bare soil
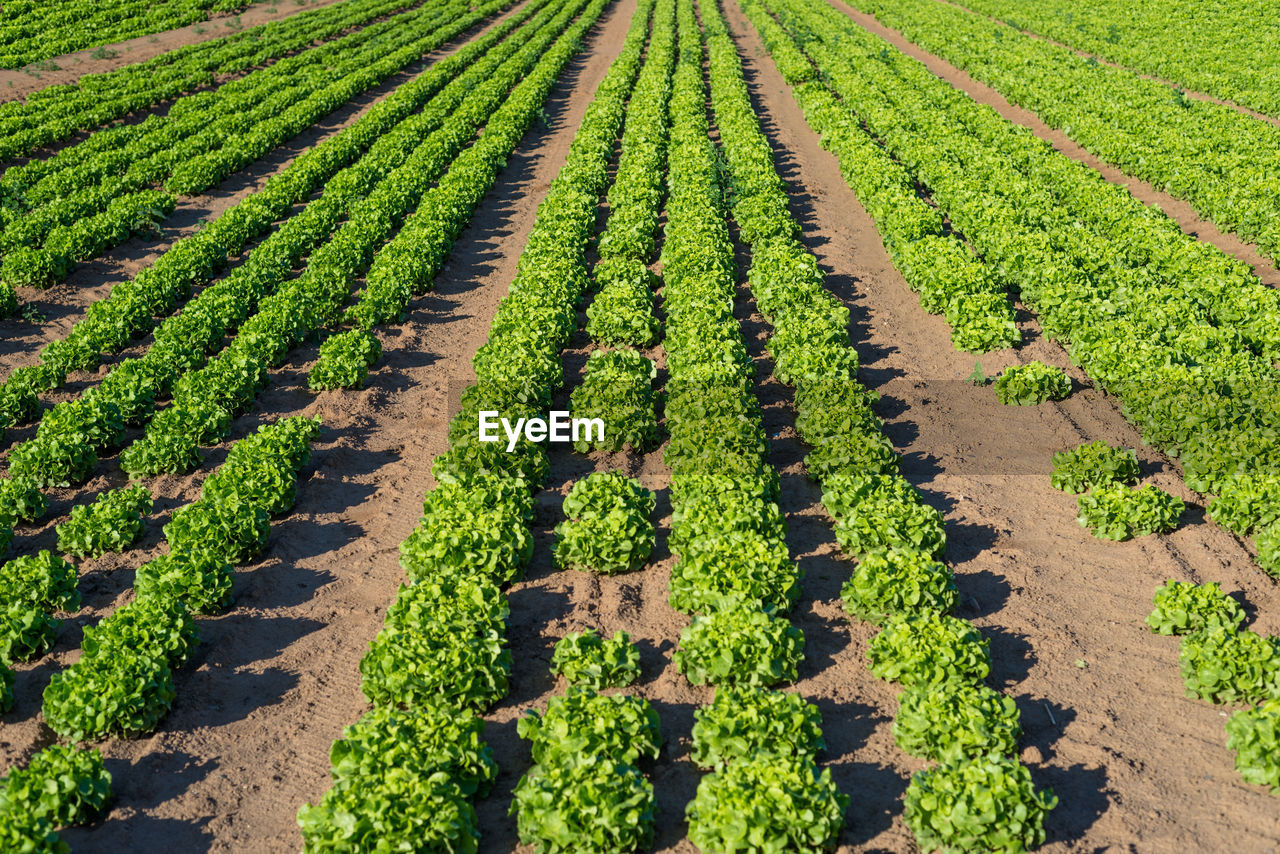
66	69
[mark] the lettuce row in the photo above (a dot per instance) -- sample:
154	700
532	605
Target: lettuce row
765	791
1206	153
986	799
1182	334
122	684
77	206
54	114
444	641
375	143
230	381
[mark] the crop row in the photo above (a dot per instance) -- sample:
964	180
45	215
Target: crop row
1193	44
122	683
31	30
63	449
80	202
1214	156
733	569
1182	334
935	263
1224	663
55	113
129	310
979	797
442	652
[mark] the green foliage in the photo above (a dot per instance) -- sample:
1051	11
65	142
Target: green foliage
1254	735
898	582
1094	464
928	650
6	687
122	684
1032	383
739	645
477	530
954	720
424	739
199	578
1117	512
586	659
987	804
443	639
42	580
1246	503
20	499
64	785
53	461
732	564
743	721
1268	544
26	632
617	388
767	803
113	522
238	531
619	727
1223	665
405	809
876	512
607	528
345	359
1182	608
592	804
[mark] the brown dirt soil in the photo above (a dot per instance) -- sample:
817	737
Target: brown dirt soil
1181	212
21	82
65	303
275	679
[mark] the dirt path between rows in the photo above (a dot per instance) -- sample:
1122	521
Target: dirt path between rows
20	82
64	304
276	678
1135	763
1178	210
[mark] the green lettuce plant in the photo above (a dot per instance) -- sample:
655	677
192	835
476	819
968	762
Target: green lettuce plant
740	645
1093	464
745	720
1182	608
1032	383
767	803
928	649
898	582
1117	512
985	804
586	659
1254	735
956	719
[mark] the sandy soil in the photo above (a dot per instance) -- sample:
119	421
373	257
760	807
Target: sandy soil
20	82
1180	211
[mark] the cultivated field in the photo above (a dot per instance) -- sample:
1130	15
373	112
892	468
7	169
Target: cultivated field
639	425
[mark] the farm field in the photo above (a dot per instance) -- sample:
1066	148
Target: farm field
922	491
